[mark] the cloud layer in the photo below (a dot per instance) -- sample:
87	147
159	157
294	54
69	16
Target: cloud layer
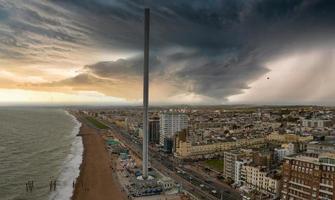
209	49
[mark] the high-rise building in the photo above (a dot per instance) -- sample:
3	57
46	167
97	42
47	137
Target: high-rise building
168	145
309	177
171	123
154	130
230	158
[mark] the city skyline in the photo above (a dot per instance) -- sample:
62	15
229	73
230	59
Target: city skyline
218	52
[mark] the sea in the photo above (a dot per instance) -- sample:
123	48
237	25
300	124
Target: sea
39	145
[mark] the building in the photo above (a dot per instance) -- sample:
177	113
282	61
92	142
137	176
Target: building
259	178
186	150
171	123
168	145
264	157
230	158
285	150
280	153
321	147
287	138
167	183
309	176
154	131
316	123
238	169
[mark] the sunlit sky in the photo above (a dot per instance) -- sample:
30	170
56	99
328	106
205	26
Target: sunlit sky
202	52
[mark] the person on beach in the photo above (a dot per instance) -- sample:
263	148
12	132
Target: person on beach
55	184
29	185
50	185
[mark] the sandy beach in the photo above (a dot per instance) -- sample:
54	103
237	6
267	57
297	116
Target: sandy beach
96	181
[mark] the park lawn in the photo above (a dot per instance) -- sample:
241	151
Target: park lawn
215	164
96	123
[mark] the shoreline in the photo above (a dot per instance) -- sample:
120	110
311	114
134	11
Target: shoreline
95	180
71	165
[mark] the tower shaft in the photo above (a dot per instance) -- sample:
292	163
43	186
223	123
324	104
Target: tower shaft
146	92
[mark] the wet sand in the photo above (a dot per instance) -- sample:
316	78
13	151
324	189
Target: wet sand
96	181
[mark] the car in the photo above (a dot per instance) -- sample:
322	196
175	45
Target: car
220	177
209	181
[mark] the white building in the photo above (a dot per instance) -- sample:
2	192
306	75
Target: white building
238	170
171	123
286	150
167	183
258	178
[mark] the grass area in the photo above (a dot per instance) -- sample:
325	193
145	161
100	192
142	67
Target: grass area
215	164
96	123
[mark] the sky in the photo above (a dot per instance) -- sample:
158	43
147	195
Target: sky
201	52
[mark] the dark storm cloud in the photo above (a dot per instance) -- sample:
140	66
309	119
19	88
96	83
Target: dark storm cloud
121	67
223	44
213	48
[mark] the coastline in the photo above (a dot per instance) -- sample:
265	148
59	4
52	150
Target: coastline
71	166
95	180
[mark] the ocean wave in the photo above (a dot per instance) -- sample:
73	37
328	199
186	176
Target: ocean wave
70	170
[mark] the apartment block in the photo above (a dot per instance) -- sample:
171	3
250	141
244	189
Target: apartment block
171	123
185	149
259	178
154	129
238	169
230	158
309	177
